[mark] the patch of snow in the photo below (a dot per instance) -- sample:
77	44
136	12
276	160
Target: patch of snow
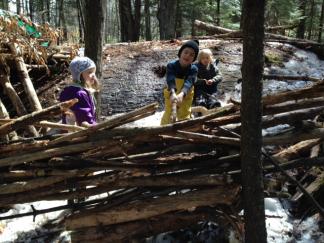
12	228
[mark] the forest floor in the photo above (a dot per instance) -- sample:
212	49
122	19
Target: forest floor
129	80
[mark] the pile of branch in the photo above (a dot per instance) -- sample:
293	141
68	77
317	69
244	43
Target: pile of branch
163	177
25	65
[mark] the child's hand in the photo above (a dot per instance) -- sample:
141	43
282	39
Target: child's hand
180	97
85	124
209	82
173	97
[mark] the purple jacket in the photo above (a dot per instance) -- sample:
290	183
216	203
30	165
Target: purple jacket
84	110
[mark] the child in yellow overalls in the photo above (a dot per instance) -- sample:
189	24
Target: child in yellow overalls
181	76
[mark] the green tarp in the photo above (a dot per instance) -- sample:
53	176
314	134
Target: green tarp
31	30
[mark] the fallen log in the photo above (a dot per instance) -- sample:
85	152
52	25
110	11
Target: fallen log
213	29
316	90
295	150
153	207
114	183
292	117
293	105
127	232
210	28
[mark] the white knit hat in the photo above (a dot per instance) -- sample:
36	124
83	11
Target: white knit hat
80	64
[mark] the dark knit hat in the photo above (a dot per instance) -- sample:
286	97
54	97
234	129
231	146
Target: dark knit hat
194	44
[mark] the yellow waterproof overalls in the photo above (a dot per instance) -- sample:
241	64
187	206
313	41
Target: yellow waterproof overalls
184	110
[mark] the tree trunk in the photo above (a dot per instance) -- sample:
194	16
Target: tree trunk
178	20
251	112
137	21
4	4
166	17
95	15
321	29
18	6
42	11
48	11
125	20
148	35
193	16
62	22
152	207
310	26
81	21
129	22
31	10
217	12
302	24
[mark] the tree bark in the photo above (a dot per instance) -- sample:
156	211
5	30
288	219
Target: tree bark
129	20
251	112
167	19
321	22
302	23
128	232
81	21
310	24
154	207
18	7
148	34
95	15
31	10
217	12
62	22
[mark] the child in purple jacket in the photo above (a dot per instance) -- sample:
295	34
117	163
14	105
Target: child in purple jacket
83	71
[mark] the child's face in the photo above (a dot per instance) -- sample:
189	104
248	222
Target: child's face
187	56
89	76
205	60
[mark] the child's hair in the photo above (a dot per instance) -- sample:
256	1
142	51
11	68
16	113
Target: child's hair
194	44
77	66
206	52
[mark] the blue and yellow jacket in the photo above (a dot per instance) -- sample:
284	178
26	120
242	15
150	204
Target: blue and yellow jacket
175	71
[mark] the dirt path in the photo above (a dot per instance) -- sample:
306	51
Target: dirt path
129	81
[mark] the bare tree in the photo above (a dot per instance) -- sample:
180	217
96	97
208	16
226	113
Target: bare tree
4	4
18	6
31	10
95	15
130	20
251	114
217	12
167	19
321	20
311	15
302	23
148	34
81	20
62	22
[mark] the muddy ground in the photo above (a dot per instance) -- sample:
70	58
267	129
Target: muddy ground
129	80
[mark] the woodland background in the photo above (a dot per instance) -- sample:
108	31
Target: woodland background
134	20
